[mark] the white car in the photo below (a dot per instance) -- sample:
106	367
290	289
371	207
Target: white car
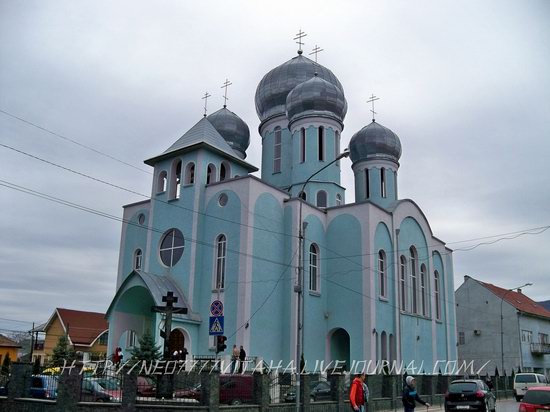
523	381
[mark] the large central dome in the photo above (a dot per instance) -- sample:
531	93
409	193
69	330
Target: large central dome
273	89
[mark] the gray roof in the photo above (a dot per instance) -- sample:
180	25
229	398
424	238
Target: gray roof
375	141
273	89
316	97
202	133
233	129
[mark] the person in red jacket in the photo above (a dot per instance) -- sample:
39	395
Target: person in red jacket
357	394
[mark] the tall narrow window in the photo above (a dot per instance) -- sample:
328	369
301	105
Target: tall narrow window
277	150
190	173
321	198
302	145
423	291
403	284
176	180
437	294
221	246
314	268
337	145
161	185
211	174
367	184
338	199
321	143
138	259
383	182
382	273
414	280
223	172
384	346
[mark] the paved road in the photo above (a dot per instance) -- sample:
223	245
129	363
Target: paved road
507	406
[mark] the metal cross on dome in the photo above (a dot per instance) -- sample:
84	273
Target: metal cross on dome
205	98
299	36
372	99
316	51
225	98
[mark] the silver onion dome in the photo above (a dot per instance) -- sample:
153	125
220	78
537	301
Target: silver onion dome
316	97
273	89
375	141
233	129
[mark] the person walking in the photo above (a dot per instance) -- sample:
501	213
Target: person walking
242	358
410	395
357	393
366	395
234	359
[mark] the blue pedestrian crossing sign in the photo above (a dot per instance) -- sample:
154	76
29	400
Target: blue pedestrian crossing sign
215	326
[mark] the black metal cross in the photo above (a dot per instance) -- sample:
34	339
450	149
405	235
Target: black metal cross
299	36
372	99
205	98
225	98
168	310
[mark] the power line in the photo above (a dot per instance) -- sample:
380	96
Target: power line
73	141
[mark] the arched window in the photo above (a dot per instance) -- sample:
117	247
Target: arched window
392	348
382	273
383	182
367	184
171	247
338	199
210	174
221	249
190	173
176	180
376	347
414	279
302	145
437	293
314	268
277	146
423	291
337	145
403	283
383	346
138	259
321	198
225	171
321	143
161	184
302	196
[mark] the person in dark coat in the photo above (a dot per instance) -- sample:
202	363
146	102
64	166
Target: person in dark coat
242	358
410	395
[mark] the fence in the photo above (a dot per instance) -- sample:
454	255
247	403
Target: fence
78	389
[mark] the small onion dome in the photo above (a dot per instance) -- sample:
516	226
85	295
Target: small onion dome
375	141
316	97
273	89
233	129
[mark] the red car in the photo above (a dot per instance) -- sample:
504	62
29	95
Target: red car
234	390
536	399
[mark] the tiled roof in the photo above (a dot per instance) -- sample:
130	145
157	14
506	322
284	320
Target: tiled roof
6	342
84	327
518	300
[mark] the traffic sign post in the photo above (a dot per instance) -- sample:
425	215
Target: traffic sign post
215	325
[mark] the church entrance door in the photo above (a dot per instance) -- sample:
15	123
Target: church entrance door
339	347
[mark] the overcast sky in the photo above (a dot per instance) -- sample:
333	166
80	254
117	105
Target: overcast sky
465	85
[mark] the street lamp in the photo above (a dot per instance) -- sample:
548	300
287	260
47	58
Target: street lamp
501	323
299	287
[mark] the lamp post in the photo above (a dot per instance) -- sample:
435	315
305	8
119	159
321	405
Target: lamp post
299	286
502	322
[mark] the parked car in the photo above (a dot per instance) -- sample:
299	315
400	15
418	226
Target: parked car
234	390
146	386
469	395
319	391
4	390
43	387
537	398
92	391
110	386
524	381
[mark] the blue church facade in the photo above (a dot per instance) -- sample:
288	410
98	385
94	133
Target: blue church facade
377	284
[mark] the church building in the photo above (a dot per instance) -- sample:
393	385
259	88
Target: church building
375	282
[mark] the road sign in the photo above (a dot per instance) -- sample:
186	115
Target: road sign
216	308
215	326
